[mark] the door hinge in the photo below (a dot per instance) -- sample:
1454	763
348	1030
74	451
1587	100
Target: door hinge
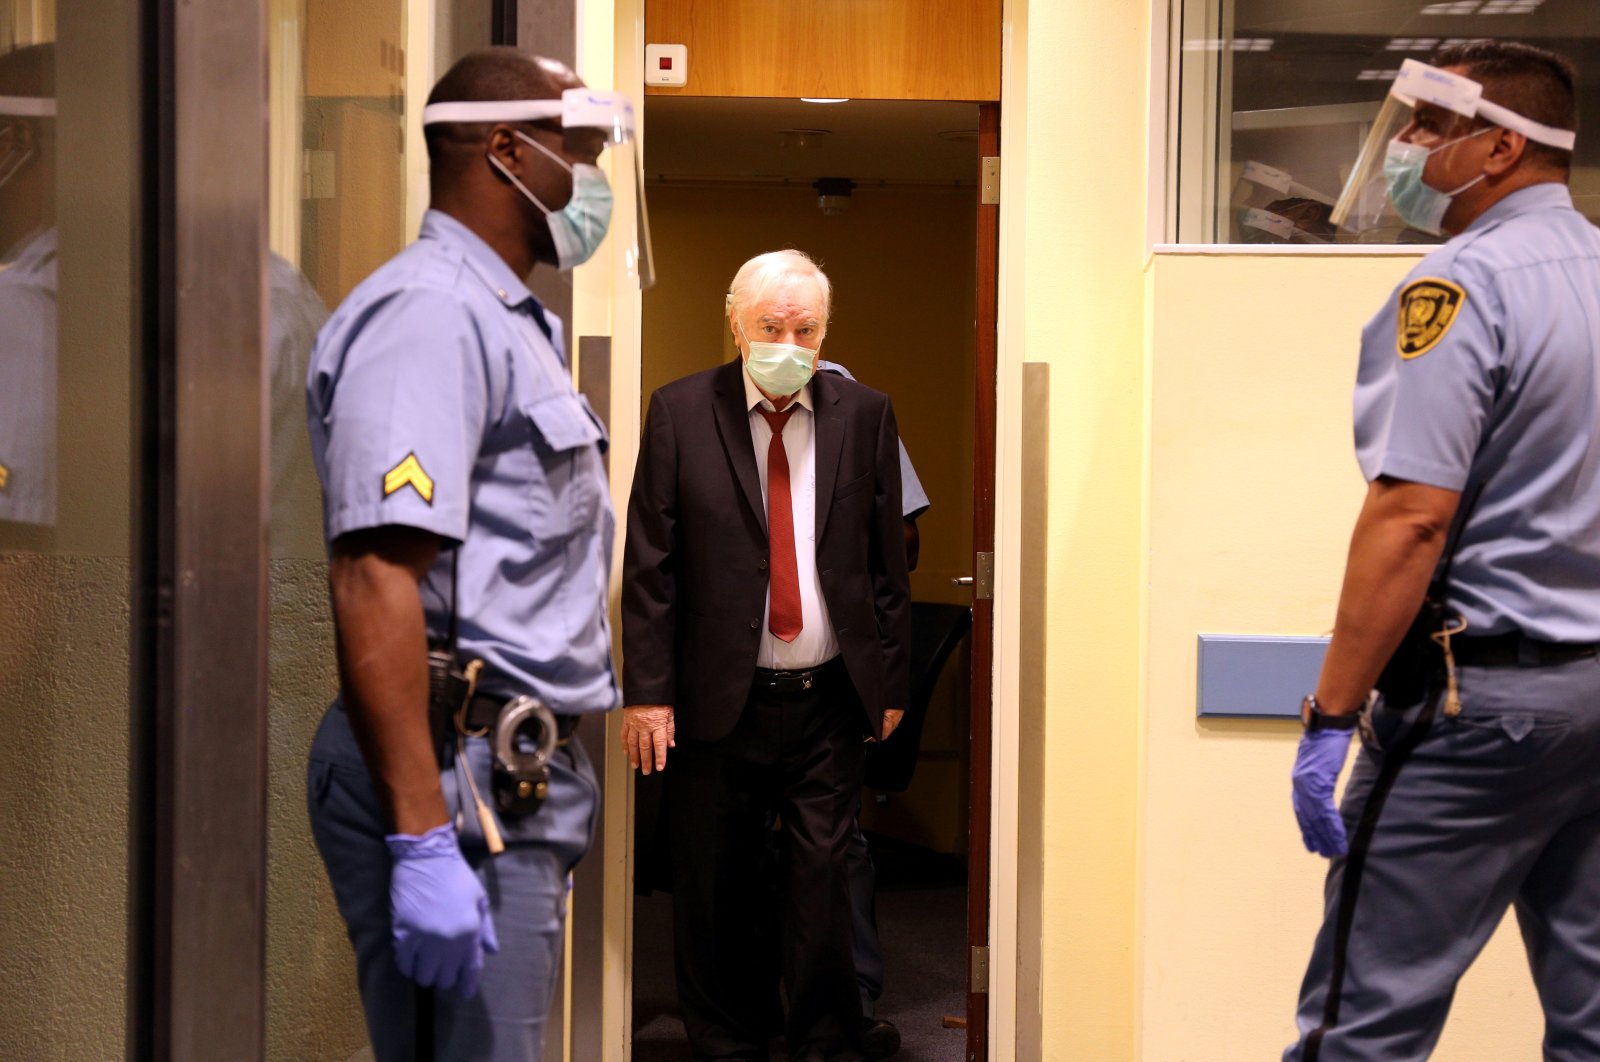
983	583
990	180
980	968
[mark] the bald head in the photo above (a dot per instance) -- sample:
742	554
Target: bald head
488	74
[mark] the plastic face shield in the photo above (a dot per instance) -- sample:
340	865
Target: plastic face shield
591	121
1431	107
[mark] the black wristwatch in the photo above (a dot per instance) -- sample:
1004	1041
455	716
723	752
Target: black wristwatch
1312	717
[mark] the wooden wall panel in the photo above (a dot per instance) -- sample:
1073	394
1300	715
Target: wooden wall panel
355	48
862	49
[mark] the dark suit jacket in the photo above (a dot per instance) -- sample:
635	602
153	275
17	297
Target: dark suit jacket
694	575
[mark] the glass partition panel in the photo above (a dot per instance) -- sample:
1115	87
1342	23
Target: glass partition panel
69	90
1274	99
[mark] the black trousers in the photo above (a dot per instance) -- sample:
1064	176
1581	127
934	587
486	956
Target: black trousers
799	754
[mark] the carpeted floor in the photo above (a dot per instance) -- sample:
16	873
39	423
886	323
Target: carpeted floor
922	901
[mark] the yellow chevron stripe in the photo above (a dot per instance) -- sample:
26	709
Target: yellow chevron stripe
409	473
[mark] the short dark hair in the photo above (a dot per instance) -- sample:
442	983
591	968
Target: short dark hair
1533	82
499	73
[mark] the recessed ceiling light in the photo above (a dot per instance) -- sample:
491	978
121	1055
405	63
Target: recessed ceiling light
1377	75
1412	44
824	99
1453	7
801	138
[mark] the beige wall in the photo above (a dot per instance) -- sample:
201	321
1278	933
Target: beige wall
902	265
1073	245
1200	479
1253	493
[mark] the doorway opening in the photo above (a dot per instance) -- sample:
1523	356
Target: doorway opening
884	194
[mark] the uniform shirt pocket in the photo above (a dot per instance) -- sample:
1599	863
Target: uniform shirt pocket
566	494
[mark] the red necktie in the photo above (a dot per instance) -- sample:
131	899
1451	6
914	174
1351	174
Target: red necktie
783	612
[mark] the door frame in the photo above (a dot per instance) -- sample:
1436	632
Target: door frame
198	689
621	24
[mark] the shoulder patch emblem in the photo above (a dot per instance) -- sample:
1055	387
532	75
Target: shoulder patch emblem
409	473
1428	307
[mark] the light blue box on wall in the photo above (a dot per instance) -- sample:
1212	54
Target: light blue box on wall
1257	676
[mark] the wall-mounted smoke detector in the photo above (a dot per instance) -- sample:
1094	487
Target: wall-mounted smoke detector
833	194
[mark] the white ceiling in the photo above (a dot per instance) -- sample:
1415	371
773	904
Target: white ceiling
898	141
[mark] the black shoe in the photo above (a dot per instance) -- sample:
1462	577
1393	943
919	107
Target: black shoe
879	1039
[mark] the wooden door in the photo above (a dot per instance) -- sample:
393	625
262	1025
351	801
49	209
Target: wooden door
983	469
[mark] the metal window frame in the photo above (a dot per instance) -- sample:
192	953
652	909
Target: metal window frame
197	873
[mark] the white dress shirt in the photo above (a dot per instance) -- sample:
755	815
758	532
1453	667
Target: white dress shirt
815	644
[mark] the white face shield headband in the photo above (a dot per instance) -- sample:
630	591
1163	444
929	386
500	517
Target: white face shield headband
578	110
1364	206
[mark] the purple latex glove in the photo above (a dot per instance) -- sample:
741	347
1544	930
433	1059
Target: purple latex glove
440	915
1316	770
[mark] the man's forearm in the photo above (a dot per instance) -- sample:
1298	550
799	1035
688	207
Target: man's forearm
384	670
1397	542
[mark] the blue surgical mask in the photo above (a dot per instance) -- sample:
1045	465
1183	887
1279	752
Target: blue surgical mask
1419	205
577	228
779	368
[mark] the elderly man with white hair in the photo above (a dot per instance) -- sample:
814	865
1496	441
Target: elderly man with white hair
766	632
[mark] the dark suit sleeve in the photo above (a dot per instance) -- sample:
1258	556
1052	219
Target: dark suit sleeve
649	561
891	585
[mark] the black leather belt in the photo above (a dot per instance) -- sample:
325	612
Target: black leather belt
1516	650
484	709
795	681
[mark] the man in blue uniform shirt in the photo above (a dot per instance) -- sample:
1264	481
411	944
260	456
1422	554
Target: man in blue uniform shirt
1477	417
880	1038
465	500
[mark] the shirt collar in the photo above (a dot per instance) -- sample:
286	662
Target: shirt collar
482	259
1540	196
753	396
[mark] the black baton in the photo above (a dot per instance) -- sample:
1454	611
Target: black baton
424	1005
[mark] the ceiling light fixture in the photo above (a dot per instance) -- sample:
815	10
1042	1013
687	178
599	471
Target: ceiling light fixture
800	139
824	99
1238	44
1412	44
1377	75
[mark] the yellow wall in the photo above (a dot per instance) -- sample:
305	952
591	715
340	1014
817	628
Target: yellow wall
902	264
903	270
1253	491
1081	223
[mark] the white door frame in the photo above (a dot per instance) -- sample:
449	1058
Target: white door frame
605	306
